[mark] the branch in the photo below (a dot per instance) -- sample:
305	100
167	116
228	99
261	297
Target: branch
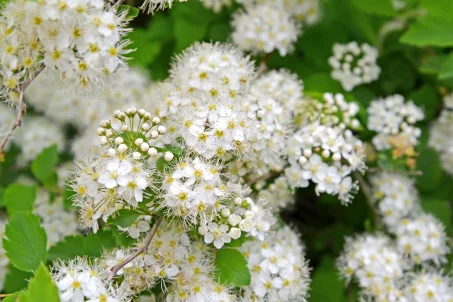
368	195
20	111
263	65
143	249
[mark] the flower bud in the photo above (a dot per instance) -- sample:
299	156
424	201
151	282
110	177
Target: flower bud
119	140
307	153
225	212
234	219
138	141
104	140
122	148
168	156
145	127
101	131
234	233
302	160
152	152
156	120
161	129
111	152
144	147
154	134
136	155
124	128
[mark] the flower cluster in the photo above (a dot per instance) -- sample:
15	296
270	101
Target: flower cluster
354	65
35	135
172	257
429	286
56	221
263	28
217	5
81	40
375	263
440	136
396	197
81	280
327	153
118	174
279	269
394	121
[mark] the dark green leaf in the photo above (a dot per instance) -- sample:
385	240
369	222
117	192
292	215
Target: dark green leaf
382	7
441	209
433	64
446	70
16	279
426	97
19	198
231	268
187	33
429	164
124	218
25	242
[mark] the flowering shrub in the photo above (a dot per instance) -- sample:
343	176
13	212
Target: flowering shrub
226	150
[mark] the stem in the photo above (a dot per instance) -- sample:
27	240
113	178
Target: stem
368	195
4	295
20	110
143	249
263	65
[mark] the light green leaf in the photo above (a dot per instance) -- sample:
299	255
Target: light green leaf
446	70
124	218
187	33
146	49
43	165
438	8
16	297
430	31
19	198
381	7
231	268
132	12
25	242
41	287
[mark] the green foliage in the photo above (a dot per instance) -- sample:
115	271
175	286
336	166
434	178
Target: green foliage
326	284
132	12
383	7
25	242
91	245
429	164
441	209
16	279
125	218
19	198
430	31
231	268
44	164
41	287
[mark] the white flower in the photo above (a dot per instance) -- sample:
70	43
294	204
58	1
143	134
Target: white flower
217	234
429	286
264	28
353	64
115	169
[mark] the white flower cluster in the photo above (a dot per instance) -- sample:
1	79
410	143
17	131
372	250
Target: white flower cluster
440	135
354	65
80	280
396	196
174	258
277	195
263	28
56	221
7	119
307	11
219	69
278	267
393	118
429	286
389	269
36	134
375	263
327	153
152	5
81	40
4	261
422	239
118	175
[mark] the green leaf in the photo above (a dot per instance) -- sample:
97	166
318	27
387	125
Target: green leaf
122	239
429	164
322	82
430	31
124	218
25	242
381	7
187	33
41	287
426	97
132	12
146	49
433	64
16	297
441	209
19	198
446	70
231	268
438	8
43	165
91	245
16	279
326	277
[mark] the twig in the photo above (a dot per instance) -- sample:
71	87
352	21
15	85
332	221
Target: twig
263	65
368	195
144	248
20	111
4	295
